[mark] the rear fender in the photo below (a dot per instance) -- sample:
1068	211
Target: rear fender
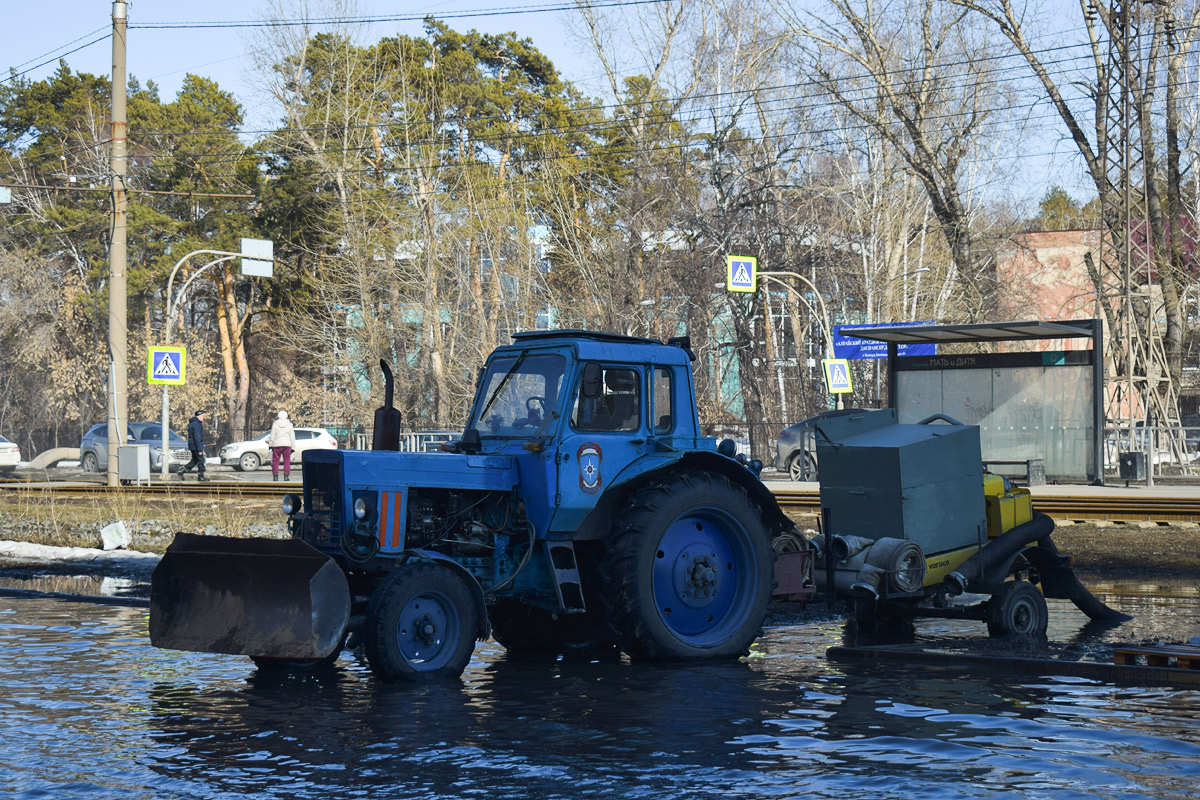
429	556
597	523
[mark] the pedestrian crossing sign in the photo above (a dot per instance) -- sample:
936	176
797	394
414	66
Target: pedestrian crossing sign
166	365
837	375
739	273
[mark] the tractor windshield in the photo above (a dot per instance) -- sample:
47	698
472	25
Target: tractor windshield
521	395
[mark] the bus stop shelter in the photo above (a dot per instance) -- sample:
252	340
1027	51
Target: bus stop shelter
1035	406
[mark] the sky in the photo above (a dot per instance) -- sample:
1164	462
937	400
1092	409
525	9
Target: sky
57	27
70	28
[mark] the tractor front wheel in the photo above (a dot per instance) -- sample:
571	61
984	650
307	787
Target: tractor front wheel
688	570
421	624
1018	609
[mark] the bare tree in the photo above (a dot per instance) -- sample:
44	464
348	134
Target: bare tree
914	74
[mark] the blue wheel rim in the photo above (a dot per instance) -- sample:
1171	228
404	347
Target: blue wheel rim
428	631
703	577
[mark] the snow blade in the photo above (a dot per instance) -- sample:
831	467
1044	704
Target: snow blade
277	598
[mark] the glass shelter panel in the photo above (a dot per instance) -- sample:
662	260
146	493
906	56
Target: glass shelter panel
1027	406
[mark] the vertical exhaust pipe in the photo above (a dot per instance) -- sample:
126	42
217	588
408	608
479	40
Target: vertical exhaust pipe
387	419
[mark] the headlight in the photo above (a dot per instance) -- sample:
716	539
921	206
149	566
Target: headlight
291	504
360	509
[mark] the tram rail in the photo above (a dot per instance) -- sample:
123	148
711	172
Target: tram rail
1060	506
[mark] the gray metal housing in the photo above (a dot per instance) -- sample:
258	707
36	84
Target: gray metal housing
921	483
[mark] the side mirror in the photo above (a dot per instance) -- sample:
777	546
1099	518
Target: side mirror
592	378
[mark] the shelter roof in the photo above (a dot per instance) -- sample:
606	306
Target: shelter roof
981	332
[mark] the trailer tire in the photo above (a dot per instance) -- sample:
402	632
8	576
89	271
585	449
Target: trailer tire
421	624
1018	609
688	570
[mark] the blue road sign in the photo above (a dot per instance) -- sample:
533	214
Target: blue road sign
847	345
837	375
166	365
740	273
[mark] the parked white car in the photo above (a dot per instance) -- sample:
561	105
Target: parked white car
10	455
249	456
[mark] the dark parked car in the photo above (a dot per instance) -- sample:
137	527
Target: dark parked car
796	450
93	448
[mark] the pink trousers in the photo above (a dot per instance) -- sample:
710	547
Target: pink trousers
278	453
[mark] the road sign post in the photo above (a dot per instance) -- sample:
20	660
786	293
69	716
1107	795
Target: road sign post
166	366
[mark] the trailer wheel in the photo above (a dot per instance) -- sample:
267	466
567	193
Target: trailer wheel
420	626
526	630
688	570
1018	609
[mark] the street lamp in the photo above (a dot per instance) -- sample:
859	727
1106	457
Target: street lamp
826	330
172	307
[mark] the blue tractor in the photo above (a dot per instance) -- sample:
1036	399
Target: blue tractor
581	507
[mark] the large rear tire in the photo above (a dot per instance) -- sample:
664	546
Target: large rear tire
89	463
1018	609
688	570
421	624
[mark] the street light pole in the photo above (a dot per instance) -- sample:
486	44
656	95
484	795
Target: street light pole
169	320
826	331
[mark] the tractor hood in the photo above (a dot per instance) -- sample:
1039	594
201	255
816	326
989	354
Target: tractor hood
489	472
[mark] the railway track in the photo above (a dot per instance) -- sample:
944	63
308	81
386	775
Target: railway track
1058	506
1114	508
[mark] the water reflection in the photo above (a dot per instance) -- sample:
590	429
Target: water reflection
91	710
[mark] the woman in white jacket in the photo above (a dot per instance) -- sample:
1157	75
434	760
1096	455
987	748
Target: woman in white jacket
281	440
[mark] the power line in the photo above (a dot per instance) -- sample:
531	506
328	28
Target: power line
360	20
15	75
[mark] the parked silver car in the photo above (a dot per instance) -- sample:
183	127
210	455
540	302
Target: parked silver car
249	456
796	450
93	448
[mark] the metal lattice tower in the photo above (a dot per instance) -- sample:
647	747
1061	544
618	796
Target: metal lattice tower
1143	390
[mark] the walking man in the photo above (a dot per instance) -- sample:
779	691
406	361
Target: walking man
281	440
195	437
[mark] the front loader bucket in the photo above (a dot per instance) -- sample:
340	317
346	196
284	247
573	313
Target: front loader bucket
278	598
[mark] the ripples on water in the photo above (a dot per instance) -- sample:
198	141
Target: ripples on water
89	709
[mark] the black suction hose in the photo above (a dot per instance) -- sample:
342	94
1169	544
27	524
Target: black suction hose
1068	585
1001	548
1008	544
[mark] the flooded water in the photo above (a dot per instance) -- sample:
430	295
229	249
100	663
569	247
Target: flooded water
89	709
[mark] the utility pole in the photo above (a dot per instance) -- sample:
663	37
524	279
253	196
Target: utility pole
117	301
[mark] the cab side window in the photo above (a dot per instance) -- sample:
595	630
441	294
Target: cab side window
663	410
618	406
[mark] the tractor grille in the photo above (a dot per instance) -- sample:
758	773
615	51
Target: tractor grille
322	482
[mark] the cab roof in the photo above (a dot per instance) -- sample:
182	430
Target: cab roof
601	346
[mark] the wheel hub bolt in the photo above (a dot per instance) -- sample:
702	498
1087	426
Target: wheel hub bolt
702	576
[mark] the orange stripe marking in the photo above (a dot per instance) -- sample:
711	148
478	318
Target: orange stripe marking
396	522
383	502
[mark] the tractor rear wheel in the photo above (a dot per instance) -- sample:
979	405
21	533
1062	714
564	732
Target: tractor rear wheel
421	624
1018	609
525	630
688	570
